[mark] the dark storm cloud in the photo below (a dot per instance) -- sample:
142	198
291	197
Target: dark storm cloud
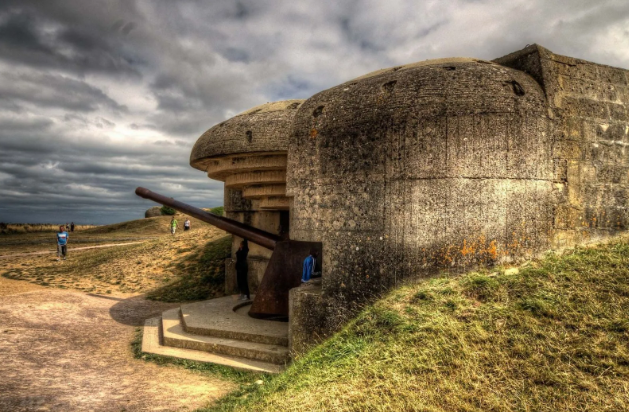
50	90
97	97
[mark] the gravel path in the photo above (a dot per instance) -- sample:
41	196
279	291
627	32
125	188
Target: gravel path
69	351
52	251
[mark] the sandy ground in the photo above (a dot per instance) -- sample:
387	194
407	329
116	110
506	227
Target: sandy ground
108	267
70	351
70	250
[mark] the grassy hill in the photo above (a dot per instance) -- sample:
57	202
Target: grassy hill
551	337
147	226
148	259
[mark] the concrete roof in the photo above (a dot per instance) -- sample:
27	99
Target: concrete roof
431	62
261	129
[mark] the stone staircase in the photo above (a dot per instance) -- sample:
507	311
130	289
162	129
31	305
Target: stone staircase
219	331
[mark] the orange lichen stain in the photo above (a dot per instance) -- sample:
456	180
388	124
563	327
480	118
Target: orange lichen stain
492	250
313	133
467	250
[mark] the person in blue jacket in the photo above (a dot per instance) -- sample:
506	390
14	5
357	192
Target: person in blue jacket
310	263
62	243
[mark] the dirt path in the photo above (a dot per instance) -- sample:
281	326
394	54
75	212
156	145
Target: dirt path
51	251
69	351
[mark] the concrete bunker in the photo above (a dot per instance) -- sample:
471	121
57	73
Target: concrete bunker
441	164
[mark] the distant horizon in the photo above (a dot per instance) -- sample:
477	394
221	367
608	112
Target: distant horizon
101	221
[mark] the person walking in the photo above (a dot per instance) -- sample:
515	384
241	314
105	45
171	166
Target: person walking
173	225
72	227
241	270
62	243
186	225
310	263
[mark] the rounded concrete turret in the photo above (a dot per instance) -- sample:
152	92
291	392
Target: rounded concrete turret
248	153
437	164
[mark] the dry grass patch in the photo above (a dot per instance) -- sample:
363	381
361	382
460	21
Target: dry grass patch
21	228
177	267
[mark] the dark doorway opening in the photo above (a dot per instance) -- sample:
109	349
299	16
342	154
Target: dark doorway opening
284	224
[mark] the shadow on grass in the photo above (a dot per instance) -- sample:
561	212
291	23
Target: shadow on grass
201	276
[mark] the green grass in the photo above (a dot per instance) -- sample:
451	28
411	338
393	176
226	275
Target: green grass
553	337
202	278
218	210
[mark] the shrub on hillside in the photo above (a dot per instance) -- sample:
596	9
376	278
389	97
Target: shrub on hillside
168	210
218	210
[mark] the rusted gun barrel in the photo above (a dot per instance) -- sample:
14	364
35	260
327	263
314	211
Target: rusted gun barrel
283	271
260	237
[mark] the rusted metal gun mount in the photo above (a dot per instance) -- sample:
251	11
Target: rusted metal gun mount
285	266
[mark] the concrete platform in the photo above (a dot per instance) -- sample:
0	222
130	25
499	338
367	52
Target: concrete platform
174	335
217	318
151	344
219	331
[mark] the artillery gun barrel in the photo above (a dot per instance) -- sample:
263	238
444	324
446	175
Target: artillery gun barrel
260	237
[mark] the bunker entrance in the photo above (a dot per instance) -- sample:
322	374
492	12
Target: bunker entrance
284	229
284	269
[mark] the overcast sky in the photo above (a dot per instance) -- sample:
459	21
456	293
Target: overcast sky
98	97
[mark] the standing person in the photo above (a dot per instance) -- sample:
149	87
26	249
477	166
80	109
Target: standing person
72	227
241	270
310	263
62	243
67	227
173	225
186	225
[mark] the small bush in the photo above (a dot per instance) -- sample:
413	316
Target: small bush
168	210
218	210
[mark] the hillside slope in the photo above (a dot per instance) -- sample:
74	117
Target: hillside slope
188	266
553	337
147	226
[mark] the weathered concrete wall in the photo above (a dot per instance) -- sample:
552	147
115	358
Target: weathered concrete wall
418	168
588	104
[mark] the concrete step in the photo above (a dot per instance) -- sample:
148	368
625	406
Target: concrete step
151	343
226	318
174	335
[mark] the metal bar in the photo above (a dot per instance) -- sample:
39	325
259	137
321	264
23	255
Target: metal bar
260	237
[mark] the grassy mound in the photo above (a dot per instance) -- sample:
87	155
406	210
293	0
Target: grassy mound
553	337
202	278
147	226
